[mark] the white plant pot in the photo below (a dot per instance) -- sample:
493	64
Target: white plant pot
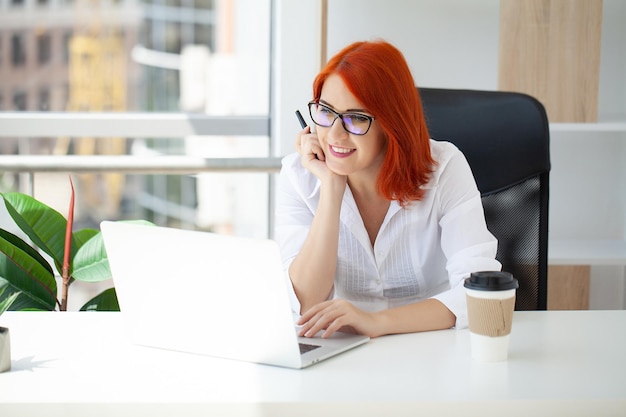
5	350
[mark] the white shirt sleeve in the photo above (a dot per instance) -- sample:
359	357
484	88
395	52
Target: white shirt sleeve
293	217
465	240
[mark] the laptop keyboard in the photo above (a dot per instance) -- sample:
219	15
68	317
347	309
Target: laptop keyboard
304	348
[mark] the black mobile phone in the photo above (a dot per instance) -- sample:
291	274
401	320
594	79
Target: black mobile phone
301	119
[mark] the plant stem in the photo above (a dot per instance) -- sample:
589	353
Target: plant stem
65	272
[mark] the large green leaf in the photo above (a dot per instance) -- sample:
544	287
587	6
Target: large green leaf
105	301
19	243
26	272
90	262
6	302
83	236
41	223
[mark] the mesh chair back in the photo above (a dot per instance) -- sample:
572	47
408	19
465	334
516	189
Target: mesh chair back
505	138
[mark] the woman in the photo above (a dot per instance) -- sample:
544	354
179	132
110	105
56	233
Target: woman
378	224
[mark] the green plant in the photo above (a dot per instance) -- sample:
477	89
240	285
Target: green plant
27	272
6	303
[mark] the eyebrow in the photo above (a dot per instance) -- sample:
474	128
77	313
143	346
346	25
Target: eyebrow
324	102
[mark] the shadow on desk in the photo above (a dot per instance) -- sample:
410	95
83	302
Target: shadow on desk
28	363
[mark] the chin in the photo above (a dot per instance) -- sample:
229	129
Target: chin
338	169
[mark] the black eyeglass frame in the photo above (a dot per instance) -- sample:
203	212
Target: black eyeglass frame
340	116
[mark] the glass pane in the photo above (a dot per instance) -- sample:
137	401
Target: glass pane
218	48
200	56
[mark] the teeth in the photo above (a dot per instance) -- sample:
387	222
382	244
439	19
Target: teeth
341	150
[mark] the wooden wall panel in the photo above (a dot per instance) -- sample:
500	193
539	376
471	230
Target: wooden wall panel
550	49
568	287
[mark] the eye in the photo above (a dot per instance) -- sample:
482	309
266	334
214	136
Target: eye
324	110
358	118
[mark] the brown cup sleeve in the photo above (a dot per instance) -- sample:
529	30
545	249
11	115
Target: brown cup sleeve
490	317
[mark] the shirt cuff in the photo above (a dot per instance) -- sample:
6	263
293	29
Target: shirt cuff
455	300
293	299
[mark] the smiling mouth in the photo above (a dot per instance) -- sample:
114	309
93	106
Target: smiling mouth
341	151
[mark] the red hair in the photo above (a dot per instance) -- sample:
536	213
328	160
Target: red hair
377	74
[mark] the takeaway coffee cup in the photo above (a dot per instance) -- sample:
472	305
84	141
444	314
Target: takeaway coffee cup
490	305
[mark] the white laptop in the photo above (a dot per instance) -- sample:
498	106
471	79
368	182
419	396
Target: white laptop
210	294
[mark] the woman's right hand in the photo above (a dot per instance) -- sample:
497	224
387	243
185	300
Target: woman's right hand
313	157
310	150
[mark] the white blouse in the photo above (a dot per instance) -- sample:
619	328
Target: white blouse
423	251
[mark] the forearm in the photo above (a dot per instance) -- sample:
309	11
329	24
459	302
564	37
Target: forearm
312	272
423	316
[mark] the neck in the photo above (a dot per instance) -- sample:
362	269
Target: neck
364	186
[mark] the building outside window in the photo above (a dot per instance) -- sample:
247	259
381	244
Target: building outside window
196	56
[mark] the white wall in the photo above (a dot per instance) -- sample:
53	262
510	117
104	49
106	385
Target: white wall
448	43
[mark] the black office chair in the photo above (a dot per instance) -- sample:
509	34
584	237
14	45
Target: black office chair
506	141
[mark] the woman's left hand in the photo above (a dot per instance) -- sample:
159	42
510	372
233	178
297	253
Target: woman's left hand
338	315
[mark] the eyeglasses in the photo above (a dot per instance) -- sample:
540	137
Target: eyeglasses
355	123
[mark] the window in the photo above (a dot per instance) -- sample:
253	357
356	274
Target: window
44	48
19	101
203	35
172	38
205	4
44	99
18	51
217	57
67	37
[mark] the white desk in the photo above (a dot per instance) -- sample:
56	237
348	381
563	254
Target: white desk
80	364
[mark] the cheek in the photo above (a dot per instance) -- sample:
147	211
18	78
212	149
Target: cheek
379	144
322	136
